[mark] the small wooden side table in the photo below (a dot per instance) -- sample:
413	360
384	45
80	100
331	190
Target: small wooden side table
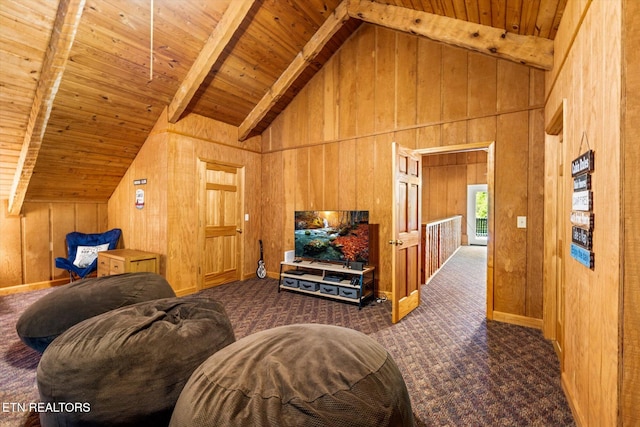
120	261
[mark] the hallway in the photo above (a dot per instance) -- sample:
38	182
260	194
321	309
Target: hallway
477	372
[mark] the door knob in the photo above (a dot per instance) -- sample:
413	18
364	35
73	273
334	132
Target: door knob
396	242
239	230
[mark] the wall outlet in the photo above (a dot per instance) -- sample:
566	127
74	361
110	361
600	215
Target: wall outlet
522	222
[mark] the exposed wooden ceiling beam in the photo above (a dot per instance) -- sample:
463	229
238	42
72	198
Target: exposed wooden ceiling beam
328	29
213	48
529	50
55	61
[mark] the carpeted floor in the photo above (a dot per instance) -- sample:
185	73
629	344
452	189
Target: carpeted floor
460	369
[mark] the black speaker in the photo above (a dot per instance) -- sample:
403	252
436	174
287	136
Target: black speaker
356	265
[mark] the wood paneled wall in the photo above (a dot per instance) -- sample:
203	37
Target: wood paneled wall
168	224
31	242
331	148
587	78
146	228
445	179
630	399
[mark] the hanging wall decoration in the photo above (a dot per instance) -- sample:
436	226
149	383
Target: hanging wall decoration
582	216
139	193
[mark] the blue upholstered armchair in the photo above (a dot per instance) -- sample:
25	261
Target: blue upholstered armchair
82	251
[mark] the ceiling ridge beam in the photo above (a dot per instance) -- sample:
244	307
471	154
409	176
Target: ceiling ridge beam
55	61
528	50
308	53
210	53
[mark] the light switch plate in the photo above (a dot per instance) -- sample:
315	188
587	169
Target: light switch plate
522	222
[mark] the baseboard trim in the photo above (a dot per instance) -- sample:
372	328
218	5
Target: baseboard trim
248	276
32	286
187	291
577	415
516	319
270	275
383	295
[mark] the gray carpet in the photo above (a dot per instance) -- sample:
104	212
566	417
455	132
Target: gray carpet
460	369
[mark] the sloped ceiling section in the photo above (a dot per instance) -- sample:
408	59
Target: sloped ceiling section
82	82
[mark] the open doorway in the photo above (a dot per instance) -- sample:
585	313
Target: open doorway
489	147
477	214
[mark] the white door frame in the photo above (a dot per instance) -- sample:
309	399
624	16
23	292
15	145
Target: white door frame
471	214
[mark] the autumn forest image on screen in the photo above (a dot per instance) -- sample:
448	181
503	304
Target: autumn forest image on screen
332	236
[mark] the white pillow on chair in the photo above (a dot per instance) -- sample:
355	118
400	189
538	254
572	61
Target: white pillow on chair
85	255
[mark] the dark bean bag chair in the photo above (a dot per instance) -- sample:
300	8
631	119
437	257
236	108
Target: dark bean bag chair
297	375
57	311
129	365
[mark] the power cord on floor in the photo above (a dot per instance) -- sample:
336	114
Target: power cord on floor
381	299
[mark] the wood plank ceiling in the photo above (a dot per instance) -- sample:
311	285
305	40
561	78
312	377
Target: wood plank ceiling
79	92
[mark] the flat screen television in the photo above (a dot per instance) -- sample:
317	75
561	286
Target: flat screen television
332	236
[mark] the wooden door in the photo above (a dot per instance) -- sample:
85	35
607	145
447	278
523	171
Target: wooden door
221	223
406	229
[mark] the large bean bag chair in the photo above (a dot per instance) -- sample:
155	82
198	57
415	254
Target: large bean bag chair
128	366
298	375
57	311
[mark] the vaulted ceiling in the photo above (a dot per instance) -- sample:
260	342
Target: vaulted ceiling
82	82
